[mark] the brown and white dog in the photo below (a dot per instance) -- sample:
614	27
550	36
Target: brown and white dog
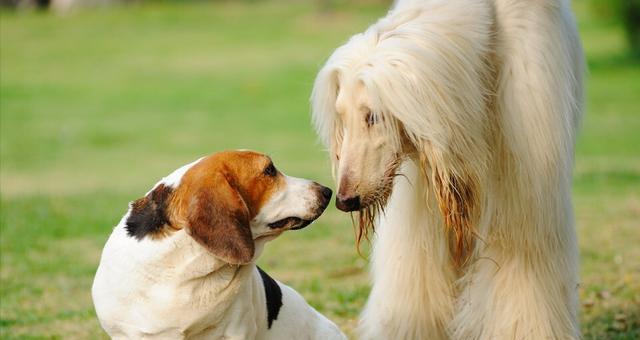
181	262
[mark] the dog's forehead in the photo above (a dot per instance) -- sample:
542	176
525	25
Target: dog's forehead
244	163
251	156
241	162
353	94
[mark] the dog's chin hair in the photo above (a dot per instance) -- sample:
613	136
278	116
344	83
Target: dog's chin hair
365	225
374	204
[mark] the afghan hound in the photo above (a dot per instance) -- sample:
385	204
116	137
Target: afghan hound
451	128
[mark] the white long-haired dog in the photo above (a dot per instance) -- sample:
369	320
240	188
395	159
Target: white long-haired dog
451	128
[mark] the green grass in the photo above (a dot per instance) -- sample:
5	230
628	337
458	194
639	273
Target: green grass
96	106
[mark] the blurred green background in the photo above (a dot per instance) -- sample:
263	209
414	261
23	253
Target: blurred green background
97	104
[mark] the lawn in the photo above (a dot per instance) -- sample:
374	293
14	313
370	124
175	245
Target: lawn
97	105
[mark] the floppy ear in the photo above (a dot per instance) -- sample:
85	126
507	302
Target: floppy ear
148	214
219	220
455	188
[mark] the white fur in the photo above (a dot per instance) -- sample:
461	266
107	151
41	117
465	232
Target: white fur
174	178
297	199
493	90
173	288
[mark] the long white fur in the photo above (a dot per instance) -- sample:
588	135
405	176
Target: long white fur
493	89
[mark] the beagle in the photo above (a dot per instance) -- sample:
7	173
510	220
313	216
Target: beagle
181	262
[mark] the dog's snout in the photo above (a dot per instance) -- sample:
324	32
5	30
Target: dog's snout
324	196
348	203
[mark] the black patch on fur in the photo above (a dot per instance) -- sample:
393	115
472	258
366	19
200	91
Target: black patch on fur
273	296
148	214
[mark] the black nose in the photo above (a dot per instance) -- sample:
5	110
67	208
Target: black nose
348	203
326	193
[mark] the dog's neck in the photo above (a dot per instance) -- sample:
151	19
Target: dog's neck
180	260
205	285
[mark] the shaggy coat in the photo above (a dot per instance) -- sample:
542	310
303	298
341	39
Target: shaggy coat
451	125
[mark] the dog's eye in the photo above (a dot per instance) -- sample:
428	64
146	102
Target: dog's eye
270	170
371	118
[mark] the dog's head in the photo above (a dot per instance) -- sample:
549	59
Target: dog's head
414	85
227	202
366	144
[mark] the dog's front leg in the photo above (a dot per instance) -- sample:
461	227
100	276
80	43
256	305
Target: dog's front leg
412	295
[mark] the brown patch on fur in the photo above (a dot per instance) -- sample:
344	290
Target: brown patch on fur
218	197
255	187
365	226
457	202
456	192
219	220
